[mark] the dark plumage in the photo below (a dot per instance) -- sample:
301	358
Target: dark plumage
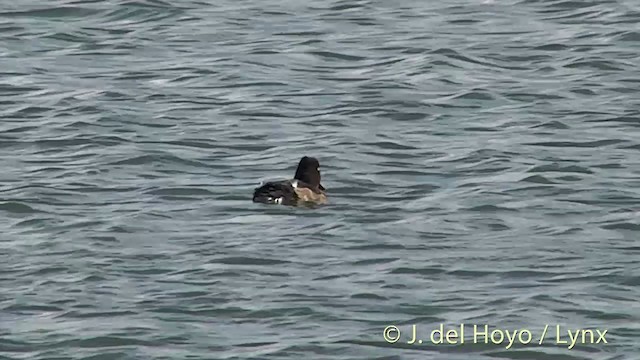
304	187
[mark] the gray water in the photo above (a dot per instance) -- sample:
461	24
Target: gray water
482	160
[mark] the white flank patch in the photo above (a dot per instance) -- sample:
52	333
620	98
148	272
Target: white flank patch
275	200
294	183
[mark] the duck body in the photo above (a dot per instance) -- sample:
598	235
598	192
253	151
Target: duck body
305	187
288	192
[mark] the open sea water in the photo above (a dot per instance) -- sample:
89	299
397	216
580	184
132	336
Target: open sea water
482	160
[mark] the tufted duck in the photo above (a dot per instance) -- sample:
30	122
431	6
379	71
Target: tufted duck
304	187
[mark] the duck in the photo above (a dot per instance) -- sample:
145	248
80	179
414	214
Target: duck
305	187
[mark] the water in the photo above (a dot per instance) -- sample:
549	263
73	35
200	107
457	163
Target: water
482	160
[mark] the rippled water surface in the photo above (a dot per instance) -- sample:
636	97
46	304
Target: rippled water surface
482	160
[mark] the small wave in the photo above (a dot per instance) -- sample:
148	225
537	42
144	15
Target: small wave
17	208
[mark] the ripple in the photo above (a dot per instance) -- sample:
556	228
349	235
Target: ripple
53	12
336	56
622	226
420	271
250	261
17	208
559	168
180	191
578	144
